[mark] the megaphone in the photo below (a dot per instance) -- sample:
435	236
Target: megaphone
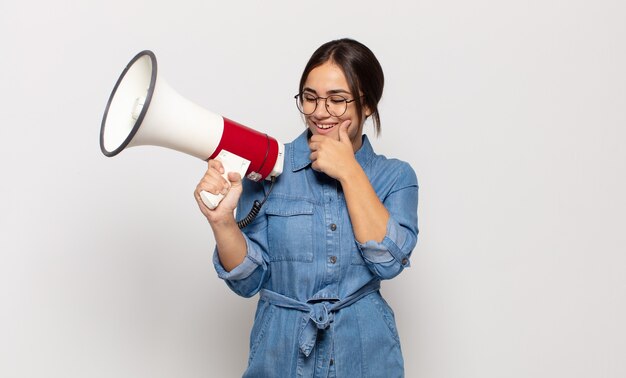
144	110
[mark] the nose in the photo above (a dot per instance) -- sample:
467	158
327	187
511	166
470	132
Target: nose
320	110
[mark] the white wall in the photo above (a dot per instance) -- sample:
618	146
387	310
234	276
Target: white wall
512	113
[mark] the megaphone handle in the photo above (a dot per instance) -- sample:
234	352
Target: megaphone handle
211	200
231	163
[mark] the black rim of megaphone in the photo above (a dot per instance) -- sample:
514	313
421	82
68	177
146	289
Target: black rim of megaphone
143	110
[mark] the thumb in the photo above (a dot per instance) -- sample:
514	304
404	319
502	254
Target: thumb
343	131
234	178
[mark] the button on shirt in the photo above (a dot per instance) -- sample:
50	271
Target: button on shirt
301	247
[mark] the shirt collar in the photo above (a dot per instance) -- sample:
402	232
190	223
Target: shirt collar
301	152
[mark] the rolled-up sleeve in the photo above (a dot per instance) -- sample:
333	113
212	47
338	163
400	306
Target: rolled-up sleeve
388	258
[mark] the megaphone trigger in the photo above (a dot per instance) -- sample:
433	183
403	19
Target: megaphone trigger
231	163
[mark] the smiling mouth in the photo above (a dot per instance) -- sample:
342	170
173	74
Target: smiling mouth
325	126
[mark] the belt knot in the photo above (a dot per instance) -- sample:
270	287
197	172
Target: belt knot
320	315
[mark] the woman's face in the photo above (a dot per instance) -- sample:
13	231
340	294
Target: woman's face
323	81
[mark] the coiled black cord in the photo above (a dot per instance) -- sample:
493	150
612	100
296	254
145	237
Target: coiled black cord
256	208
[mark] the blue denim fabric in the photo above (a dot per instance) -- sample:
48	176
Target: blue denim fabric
301	248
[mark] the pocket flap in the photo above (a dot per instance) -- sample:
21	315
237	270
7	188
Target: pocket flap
287	208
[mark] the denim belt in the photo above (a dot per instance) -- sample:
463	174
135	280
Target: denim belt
320	313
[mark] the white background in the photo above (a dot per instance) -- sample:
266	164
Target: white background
512	113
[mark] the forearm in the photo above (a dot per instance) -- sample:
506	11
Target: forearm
368	215
231	245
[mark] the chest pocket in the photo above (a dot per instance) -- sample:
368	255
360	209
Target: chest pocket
290	230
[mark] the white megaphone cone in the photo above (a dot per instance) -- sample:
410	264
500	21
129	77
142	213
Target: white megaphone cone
144	110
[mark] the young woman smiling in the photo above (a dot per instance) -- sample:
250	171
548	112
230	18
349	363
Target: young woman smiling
338	220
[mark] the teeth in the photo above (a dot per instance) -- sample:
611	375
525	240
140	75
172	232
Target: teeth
325	127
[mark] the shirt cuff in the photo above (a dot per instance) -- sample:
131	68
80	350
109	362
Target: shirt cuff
387	250
249	264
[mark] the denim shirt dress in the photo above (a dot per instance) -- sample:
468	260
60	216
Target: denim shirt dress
320	313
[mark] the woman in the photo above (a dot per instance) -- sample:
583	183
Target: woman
338	220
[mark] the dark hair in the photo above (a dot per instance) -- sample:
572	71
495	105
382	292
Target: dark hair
363	73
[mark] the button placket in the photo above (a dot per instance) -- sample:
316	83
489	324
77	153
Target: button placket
331	214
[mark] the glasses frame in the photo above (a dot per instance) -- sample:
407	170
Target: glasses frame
299	101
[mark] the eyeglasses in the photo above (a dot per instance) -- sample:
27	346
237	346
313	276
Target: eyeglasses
336	105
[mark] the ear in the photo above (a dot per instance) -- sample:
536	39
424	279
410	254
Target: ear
367	111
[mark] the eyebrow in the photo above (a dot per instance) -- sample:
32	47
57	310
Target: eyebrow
332	91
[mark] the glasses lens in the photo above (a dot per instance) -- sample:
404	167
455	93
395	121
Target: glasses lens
336	105
306	103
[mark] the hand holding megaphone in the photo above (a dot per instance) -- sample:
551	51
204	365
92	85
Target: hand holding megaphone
228	185
230	163
144	110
